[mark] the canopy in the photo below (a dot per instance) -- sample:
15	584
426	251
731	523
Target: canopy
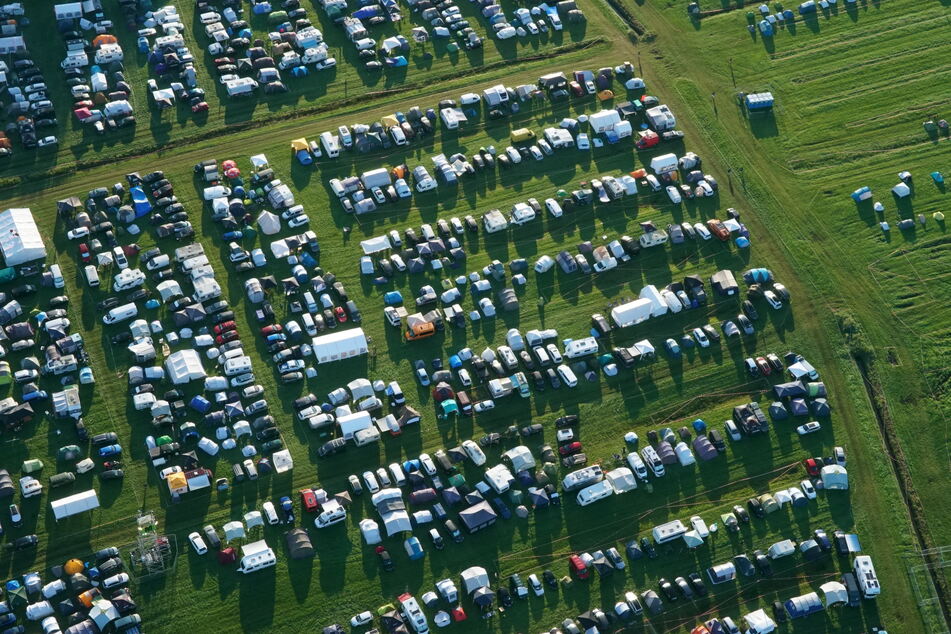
375	245
473	578
269	223
20	239
233	530
183	366
339	345
478	516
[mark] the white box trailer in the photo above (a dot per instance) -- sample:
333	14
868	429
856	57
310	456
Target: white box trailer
75	504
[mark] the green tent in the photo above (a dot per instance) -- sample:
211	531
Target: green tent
8	274
457	480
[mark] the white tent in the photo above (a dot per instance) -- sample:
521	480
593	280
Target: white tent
834	478
282	461
901	190
233	530
269	223
375	245
835	593
20	239
340	345
658	305
352	423
520	458
759	622
632	313
474	578
183	366
621	479
360	388
371	531
75	504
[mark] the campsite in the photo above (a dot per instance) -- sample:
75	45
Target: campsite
302	416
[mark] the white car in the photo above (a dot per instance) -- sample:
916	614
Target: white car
258	257
77	233
808	490
298	221
553	207
464	379
674	194
809	428
484	406
474	452
702	231
370	481
457	226
701	338
427	463
565	435
197	543
536	153
772	300
395	238
582	142
553	353
361	619
535	585
700	526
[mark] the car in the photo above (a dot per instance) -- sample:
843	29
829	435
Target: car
808	489
648	548
744	566
673	194
369	479
779	612
385	560
730	329
700	336
822	538
15	517
809	428
517	586
696	582
745	324
750	310
756	507
575	460
484	406
667	588
761	561
838	453
531	430
25	542
570	449
741	513
763	366
355	485
536	585
812	465
361	619
751	368
615	558
308	500
421	374
197	543
684	588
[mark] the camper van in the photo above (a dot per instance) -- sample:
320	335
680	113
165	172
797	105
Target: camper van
330	144
567	375
649	454
92	275
127	280
57	273
120	313
595	492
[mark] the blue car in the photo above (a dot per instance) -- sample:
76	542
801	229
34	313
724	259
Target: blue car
673	349
414	549
110	450
277	336
287	505
232	235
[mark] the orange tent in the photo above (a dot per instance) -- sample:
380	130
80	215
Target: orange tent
105	38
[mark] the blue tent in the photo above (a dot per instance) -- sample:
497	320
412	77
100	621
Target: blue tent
140	202
299	71
200	404
414	550
758	276
395	62
393	298
743	243
862	193
804	605
700	426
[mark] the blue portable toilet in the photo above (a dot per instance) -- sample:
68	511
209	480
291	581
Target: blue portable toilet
789	16
299	71
766	28
143	43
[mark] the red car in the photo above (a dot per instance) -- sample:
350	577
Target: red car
309	500
84	254
812	466
763	365
201	106
718	229
225	337
224	327
270	330
341	314
570	449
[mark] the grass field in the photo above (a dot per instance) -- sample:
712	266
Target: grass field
790	179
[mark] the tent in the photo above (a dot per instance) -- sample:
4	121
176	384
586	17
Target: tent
820	407
792	389
520	458
721	573
478	517
375	245
769	503
666	453
834	593
20	239
483	597
269	223
758	622
901	190
233	530
834	478
777	411
816	389
103	613
538	498
473	578
7	488
798	407
75	504
343	344
704	448
370	531
692	539
298	544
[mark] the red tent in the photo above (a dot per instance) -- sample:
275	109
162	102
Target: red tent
459	614
82	113
227	556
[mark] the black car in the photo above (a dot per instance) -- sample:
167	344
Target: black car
648	548
121	338
553	378
568	420
668	589
108	438
762	563
756	508
505	598
107	304
539	380
716	439
685	588
549	578
211	536
779	612
23	290
24	543
750	310
531	430
112	474
696	581
385	560
744	566
741	514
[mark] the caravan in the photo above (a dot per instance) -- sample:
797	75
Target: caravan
330	144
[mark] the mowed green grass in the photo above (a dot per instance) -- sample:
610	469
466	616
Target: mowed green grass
429	65
852	95
345	578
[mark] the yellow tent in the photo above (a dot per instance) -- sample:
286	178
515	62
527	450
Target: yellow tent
73	566
177	483
390	120
605	95
299	144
